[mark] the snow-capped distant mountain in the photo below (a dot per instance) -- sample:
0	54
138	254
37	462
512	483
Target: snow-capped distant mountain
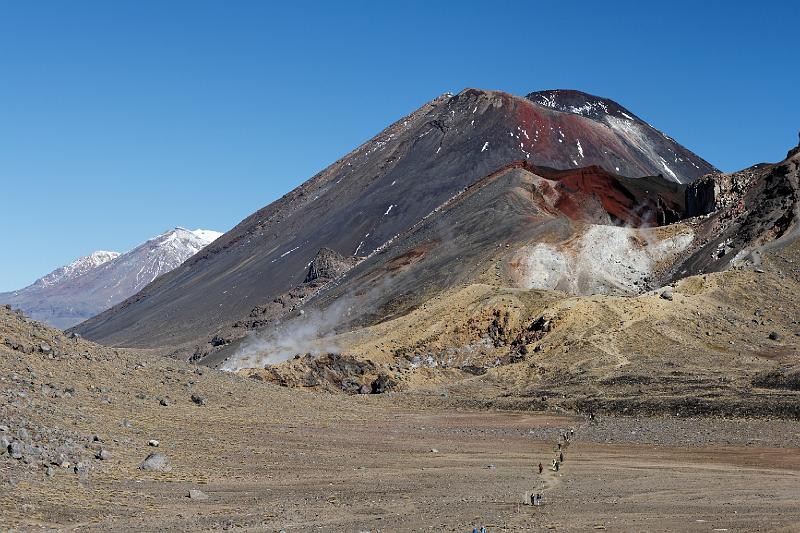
74	292
77	268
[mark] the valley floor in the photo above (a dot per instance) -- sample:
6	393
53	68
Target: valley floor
271	459
80	418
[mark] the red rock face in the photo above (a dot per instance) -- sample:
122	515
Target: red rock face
617	142
587	194
649	202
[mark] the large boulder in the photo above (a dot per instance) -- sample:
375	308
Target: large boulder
156	462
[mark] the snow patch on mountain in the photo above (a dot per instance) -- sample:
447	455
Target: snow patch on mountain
207	234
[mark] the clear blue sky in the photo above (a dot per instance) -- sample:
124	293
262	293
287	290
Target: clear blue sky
121	119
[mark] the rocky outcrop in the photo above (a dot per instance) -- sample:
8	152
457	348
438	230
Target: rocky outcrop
329	264
713	192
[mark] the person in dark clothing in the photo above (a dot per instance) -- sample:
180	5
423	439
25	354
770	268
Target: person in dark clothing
561	457
540	468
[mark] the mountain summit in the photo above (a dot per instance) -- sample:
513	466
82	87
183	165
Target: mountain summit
90	284
643	148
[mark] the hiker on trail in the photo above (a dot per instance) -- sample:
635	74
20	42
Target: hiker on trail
483	529
540	468
561	457
557	465
559	445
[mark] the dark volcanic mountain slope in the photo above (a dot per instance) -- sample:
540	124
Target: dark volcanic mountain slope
468	238
361	202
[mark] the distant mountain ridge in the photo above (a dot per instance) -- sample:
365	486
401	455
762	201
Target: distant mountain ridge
77	291
80	266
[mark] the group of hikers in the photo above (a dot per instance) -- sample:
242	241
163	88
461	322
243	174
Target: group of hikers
563	441
565	437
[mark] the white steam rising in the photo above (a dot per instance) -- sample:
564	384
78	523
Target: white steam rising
311	332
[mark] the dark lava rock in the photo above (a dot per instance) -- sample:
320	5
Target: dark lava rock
199	400
382	383
15	450
775	336
216	340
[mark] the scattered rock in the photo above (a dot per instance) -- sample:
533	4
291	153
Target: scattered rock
382	384
199	495
164	402
103	455
218	341
45	348
667	293
82	469
775	336
199	400
434	450
156	462
351	386
153	442
15	450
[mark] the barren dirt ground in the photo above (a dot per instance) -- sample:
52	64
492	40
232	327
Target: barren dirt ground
270	458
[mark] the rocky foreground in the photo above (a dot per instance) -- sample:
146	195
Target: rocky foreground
102	439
